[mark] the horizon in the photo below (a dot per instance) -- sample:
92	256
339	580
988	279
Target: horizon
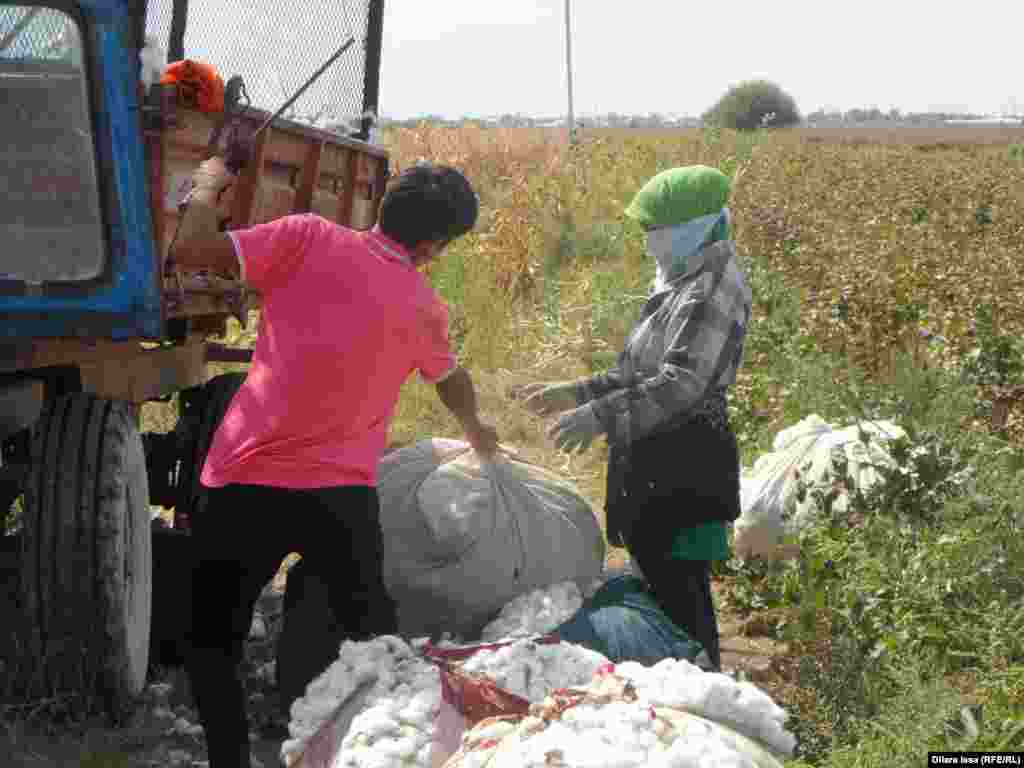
681	116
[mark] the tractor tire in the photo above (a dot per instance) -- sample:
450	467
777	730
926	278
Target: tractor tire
87	553
197	426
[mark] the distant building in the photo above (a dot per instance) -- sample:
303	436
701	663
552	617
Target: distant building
994	120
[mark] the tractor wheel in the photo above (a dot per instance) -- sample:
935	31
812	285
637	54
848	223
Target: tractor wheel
86	553
202	414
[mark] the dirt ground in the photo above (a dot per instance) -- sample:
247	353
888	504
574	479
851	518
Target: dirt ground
164	733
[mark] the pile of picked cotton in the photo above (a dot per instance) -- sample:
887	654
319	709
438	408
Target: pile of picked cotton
381	705
741	705
535	613
609	724
386	698
533	670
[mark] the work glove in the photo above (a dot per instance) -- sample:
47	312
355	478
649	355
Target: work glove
575	430
544	399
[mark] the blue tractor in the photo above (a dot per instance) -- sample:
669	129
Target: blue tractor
94	323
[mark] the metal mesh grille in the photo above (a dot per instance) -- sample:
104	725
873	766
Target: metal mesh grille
51	208
275	46
38	34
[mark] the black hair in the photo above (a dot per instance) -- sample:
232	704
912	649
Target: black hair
428	202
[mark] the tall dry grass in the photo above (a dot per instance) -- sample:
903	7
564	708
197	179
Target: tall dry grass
884	242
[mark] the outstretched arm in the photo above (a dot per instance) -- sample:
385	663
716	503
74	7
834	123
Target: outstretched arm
200	245
459	396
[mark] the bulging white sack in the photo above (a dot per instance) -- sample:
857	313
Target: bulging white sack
770	509
462	538
153	60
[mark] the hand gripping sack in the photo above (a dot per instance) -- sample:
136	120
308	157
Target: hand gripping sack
769	505
463	537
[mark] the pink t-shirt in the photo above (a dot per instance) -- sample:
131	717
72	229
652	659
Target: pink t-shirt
345	320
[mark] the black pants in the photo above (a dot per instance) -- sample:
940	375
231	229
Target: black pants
241	539
682	587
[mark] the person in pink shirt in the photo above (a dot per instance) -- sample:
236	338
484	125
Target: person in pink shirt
346	318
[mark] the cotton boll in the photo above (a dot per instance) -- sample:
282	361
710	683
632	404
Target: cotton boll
374	759
423	755
535	613
578	750
494	731
397	749
479	759
633	670
315	709
386	664
682	754
532	671
583	717
153	62
419	709
290	749
375	724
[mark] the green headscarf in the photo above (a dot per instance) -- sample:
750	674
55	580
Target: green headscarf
683	209
679	195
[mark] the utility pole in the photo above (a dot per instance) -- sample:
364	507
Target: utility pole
371	68
568	70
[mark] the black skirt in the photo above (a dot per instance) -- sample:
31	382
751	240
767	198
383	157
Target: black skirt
677	479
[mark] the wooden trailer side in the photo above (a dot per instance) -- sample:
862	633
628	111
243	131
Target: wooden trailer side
294	169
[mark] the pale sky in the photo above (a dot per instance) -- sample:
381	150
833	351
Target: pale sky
490	57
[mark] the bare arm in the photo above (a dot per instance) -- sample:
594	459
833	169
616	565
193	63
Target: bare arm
458	395
199	244
214	252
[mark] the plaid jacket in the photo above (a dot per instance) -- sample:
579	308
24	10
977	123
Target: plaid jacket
683	353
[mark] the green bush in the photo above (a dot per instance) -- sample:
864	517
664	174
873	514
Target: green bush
754	104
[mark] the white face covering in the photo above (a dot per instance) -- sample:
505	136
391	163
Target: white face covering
672	247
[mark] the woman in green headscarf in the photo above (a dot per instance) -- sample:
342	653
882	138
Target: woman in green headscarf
673	475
